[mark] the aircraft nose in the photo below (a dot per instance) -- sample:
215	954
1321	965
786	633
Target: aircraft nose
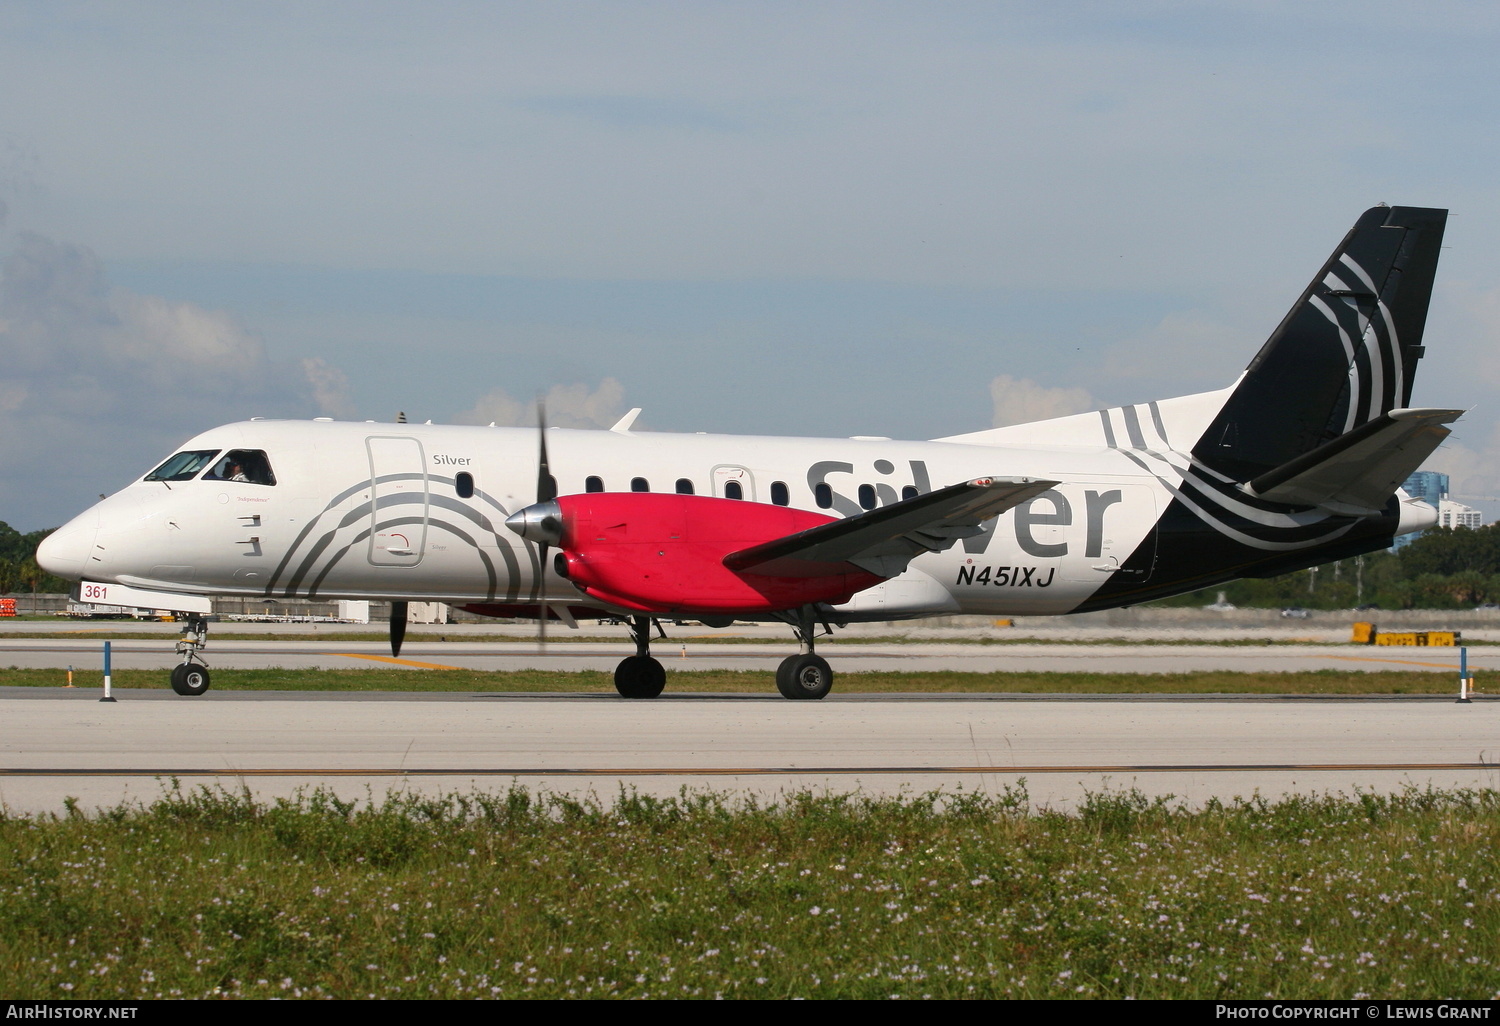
64	552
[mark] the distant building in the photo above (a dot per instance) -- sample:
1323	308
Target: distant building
1456	514
1432	488
1427	485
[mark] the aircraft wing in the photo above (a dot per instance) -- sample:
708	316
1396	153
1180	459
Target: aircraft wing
1358	472
884	540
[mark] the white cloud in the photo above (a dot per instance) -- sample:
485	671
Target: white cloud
1471	459
1021	401
330	387
575	406
99	382
497	407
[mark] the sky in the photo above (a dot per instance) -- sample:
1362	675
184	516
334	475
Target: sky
904	219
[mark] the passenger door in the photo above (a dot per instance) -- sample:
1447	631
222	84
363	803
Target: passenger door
398	502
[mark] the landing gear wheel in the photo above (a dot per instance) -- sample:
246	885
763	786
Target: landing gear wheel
640	677
804	676
189	679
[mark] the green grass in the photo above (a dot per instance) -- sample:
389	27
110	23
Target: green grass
525	894
1313	682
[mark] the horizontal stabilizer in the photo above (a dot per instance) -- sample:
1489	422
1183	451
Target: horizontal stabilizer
1357	473
884	540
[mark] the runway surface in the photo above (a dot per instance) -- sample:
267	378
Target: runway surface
57	744
231	652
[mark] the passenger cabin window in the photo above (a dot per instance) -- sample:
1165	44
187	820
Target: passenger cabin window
867	496
639	484
779	495
593	484
248	466
732	490
823	495
463	484
909	492
184	466
684	486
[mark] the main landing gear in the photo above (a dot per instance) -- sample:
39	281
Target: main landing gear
807	674
190	677
640	675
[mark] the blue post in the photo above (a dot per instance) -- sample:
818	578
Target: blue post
107	696
1463	676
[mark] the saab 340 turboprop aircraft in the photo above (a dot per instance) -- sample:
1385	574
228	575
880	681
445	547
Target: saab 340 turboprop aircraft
1297	463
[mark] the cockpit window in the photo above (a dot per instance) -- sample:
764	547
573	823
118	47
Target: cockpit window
246	465
184	466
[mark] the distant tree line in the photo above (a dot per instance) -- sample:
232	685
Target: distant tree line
1444	568
19	572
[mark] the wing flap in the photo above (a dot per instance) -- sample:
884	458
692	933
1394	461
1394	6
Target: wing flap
884	540
1357	472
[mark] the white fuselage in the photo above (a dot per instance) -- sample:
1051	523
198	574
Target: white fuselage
367	510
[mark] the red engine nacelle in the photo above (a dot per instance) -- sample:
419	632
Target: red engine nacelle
664	554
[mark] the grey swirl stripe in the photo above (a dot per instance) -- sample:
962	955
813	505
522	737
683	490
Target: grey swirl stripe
1133	427
1161	430
307	529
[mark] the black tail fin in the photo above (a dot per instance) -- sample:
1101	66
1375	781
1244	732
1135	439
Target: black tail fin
1343	356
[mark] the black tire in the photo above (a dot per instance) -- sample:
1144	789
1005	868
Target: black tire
804	677
640	677
189	679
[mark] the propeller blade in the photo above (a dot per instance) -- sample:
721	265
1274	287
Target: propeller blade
398	627
546	484
546	491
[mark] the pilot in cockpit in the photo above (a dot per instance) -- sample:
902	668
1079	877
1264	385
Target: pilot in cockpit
242	465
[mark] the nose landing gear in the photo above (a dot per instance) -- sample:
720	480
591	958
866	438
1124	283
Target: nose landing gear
190	677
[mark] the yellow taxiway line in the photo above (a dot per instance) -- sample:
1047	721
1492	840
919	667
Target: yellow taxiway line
398	662
1398	662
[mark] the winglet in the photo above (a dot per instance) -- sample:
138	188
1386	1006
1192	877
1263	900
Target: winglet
623	424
